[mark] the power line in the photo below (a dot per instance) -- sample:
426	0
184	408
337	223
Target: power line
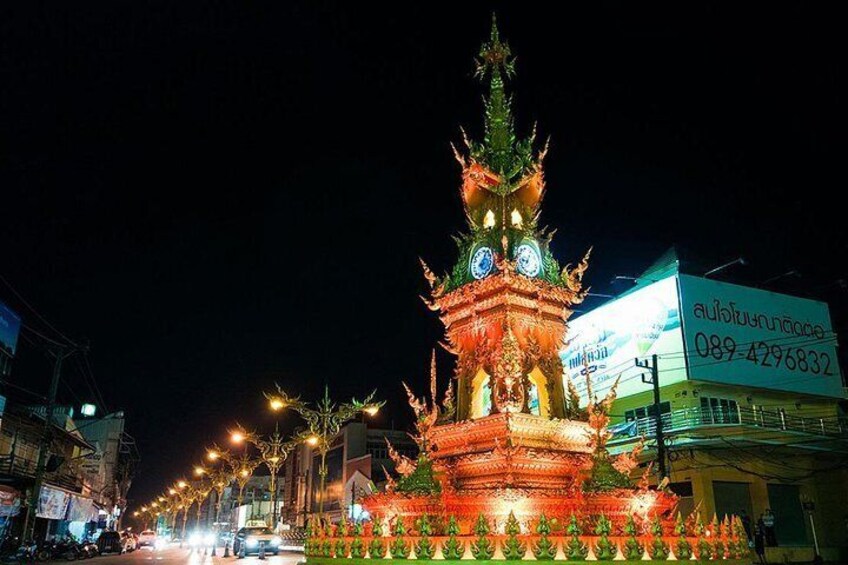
34	311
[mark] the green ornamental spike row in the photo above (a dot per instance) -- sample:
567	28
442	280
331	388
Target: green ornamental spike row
430	538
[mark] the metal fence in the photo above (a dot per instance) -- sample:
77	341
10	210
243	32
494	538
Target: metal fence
688	418
23	467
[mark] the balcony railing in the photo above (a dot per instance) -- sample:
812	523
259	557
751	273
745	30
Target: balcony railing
23	467
689	418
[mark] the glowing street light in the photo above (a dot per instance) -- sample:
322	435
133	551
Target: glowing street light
324	422
240	467
273	451
237	437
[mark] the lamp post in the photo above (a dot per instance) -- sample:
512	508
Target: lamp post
241	466
186	497
273	450
219	478
324	422
201	493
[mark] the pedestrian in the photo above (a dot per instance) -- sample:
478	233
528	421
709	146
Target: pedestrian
768	522
746	523
760	542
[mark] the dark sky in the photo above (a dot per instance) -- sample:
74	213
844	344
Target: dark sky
223	195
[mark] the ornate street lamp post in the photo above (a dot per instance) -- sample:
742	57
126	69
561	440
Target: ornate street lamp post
241	467
323	424
186	497
273	451
219	479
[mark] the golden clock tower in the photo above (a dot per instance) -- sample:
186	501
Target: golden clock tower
506	302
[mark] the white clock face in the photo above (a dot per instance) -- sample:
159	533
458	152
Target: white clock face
528	261
482	262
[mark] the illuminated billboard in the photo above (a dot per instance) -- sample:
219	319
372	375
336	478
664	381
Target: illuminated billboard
10	327
606	341
747	336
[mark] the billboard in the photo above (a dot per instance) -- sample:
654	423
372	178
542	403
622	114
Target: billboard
53	503
748	336
10	327
606	341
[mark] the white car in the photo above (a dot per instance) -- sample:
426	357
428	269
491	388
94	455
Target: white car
250	539
129	542
147	538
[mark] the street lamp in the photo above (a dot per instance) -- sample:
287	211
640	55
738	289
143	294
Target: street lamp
324	422
273	450
186	496
219	479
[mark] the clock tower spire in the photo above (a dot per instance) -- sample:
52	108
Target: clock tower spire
506	301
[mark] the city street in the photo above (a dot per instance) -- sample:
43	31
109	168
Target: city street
177	556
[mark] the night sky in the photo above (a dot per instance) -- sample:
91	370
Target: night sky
223	195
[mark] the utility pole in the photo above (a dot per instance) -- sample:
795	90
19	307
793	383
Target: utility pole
655	381
61	353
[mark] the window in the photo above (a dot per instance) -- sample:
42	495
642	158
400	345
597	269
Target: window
645	411
686	502
719	410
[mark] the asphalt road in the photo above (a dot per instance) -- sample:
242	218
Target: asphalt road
177	556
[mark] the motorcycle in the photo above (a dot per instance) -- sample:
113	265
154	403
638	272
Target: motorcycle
64	549
27	552
89	549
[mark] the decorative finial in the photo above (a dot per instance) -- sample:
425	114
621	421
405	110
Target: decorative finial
495	55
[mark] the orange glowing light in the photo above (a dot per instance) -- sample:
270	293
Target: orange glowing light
237	437
312	440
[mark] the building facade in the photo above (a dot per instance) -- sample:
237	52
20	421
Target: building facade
751	403
357	464
88	471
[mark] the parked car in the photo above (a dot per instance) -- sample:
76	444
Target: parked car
147	538
256	537
110	542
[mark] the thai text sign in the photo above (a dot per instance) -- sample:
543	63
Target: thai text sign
752	337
